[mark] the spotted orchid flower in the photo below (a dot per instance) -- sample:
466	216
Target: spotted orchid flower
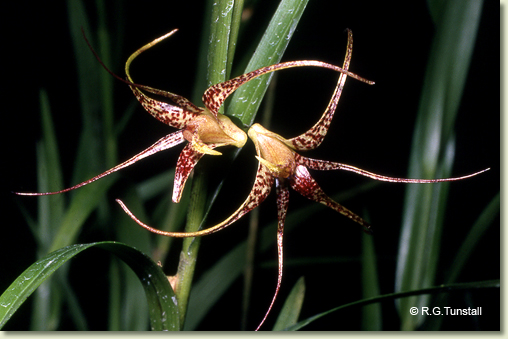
280	163
203	127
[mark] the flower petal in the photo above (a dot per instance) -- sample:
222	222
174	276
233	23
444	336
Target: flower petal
171	115
162	144
215	95
186	161
314	136
323	165
260	190
282	207
304	184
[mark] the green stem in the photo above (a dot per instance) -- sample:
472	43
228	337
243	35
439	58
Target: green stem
190	246
218	64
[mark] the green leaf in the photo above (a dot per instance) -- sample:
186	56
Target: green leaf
246	100
161	299
52	166
288	316
433	149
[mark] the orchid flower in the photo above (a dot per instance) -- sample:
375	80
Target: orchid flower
203	127
280	163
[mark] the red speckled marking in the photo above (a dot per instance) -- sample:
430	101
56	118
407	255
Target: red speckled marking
282	208
304	184
187	160
170	115
177	99
323	165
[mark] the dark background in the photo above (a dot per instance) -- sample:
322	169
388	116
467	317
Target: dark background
372	130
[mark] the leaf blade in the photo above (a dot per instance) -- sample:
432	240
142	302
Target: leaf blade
160	296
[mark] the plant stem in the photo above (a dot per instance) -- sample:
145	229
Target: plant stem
217	65
190	246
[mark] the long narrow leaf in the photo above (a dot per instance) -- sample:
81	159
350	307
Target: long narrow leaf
292	307
432	151
160	296
246	100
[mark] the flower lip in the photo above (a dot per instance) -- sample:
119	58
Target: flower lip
273	152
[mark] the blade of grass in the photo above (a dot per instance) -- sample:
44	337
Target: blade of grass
246	100
160	296
133	311
432	151
52	165
236	18
88	162
47	300
110	141
288	316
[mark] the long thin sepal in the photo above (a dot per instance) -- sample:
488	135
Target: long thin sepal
282	208
260	190
323	165
162	144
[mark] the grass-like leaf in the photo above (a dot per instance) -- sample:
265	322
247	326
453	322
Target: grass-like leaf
433	150
246	100
160	296
288	316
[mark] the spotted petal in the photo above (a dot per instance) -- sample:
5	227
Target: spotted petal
171	115
314	136
260	190
188	158
304	184
282	208
162	144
